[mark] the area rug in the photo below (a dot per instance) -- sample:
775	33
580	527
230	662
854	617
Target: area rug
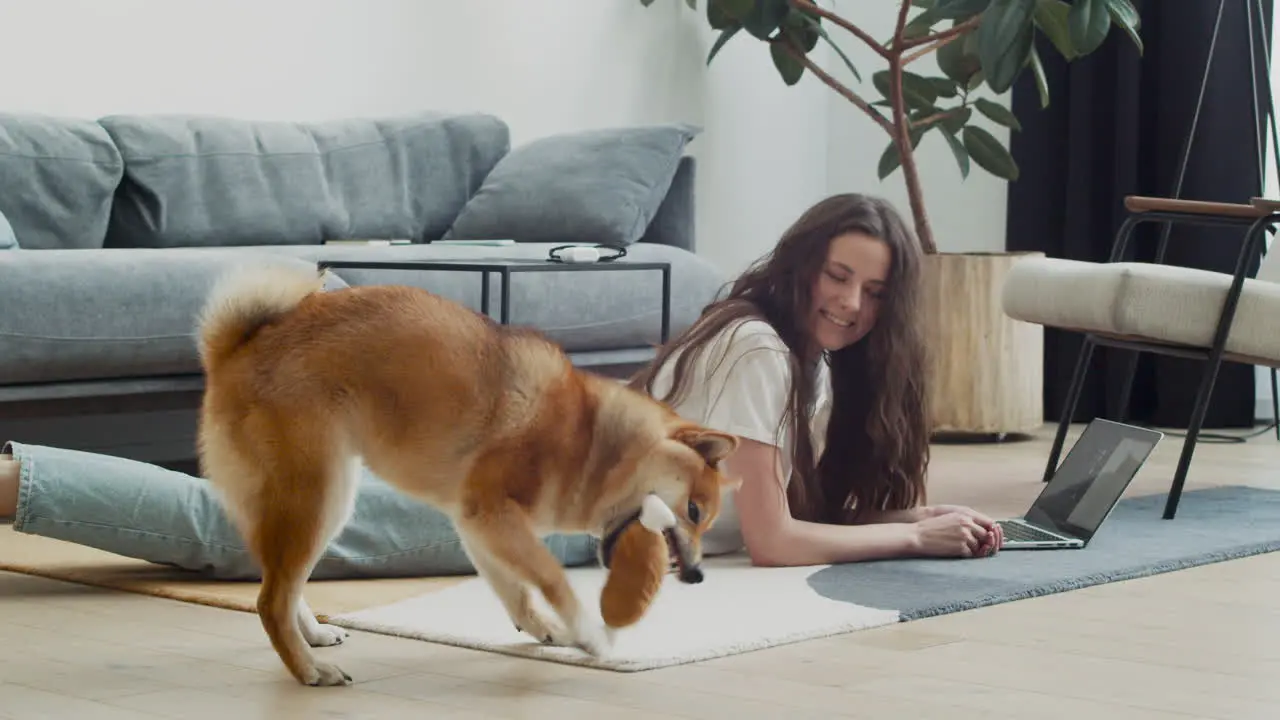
60	560
739	608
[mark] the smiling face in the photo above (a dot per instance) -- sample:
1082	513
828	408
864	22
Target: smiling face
849	289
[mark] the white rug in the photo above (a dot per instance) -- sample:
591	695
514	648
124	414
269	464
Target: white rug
736	609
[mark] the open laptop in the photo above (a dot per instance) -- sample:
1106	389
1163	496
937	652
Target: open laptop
1084	490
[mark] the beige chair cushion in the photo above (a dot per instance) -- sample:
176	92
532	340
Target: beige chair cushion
1154	302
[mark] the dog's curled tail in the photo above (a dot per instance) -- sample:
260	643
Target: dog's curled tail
245	299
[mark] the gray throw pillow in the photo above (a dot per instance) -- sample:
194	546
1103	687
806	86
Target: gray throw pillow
8	241
594	186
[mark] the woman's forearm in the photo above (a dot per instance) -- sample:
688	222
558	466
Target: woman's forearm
896	516
774	537
796	543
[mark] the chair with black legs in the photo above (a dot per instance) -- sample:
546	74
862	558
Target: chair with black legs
1158	308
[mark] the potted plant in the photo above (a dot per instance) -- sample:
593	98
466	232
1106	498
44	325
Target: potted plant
987	370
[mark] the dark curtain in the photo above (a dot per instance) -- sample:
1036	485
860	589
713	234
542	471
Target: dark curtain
1116	125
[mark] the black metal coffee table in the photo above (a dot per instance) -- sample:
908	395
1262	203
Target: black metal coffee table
506	267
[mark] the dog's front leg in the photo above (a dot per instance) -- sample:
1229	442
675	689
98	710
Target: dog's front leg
515	595
501	536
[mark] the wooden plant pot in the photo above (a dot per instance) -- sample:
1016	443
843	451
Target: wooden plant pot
987	370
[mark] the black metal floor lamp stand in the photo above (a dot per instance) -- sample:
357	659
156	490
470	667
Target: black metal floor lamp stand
1252	248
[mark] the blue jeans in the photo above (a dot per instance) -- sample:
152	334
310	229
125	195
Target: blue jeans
149	513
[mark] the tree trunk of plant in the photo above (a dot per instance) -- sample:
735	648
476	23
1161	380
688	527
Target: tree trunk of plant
915	194
910	173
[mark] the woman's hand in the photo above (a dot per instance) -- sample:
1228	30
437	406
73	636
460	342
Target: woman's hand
995	534
958	534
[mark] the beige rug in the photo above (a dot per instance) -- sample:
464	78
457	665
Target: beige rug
59	560
738	608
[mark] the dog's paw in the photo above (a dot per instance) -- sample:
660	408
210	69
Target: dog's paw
321	635
326	675
545	628
592	638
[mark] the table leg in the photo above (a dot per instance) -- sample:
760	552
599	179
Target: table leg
506	297
484	292
666	304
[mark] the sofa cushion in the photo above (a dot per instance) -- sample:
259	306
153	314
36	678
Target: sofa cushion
596	186
116	313
90	314
57	179
1163	303
213	181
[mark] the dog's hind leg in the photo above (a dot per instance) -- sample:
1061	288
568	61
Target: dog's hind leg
309	500
316	633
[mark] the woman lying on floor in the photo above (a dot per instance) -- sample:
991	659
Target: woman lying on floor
827	321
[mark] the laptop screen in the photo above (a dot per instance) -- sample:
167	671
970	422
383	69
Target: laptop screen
1092	477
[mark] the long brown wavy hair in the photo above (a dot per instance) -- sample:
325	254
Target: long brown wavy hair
877	445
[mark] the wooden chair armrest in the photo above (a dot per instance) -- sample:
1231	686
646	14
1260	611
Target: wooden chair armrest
1259	208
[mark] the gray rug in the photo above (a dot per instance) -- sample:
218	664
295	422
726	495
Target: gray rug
1211	525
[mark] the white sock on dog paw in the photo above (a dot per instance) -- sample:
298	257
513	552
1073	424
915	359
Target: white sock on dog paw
316	633
592	636
328	675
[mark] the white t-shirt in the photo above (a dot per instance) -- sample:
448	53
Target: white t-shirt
740	385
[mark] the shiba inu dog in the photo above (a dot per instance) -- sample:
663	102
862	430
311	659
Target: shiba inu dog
491	424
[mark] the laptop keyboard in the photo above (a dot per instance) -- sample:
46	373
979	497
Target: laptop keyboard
1018	531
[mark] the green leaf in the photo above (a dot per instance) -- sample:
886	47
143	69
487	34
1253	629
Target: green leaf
989	153
1124	14
997	113
917	91
822	33
1005	37
1042	83
976	81
1089	22
725	35
718	16
890	159
789	67
955	122
960	9
958	149
765	17
920	25
957	62
798	27
1051	18
944	87
736	9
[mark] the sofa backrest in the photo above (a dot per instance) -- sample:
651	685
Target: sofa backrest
194	181
176	181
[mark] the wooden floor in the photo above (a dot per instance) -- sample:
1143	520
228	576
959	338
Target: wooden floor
1200	643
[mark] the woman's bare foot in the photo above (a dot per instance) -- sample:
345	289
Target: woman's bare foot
8	487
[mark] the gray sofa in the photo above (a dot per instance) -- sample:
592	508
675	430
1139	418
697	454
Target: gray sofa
122	224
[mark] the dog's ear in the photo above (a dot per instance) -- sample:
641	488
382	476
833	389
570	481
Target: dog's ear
712	445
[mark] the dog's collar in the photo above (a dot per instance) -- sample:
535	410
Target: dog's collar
611	538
